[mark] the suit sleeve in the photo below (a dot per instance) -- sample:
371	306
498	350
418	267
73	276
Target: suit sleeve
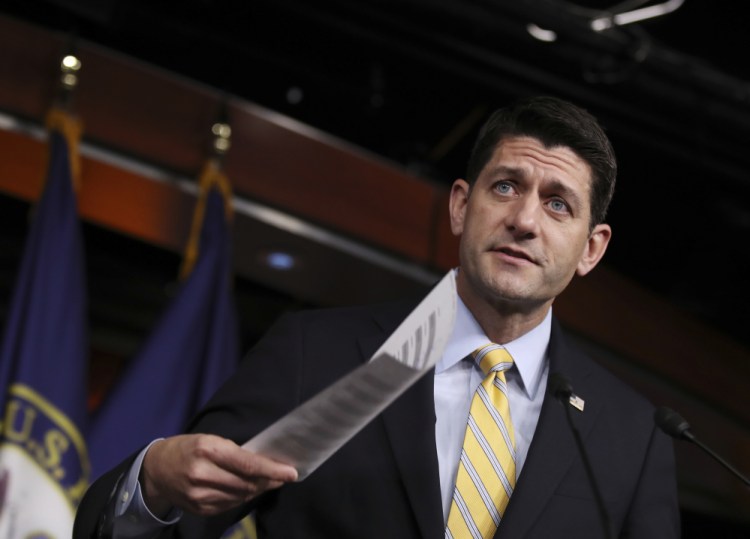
95	515
264	388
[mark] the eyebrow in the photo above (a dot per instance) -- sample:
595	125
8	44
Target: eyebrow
503	169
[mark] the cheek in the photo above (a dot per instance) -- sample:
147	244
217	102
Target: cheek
480	223
569	258
470	248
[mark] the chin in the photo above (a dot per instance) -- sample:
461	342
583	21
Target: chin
508	292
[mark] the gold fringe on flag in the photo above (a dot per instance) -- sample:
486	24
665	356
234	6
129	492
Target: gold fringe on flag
211	176
71	128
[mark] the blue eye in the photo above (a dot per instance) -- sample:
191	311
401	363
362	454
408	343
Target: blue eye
558	205
503	187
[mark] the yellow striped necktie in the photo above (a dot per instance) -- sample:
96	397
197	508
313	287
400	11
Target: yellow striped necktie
487	470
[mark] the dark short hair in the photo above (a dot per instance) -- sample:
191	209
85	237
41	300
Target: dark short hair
554	122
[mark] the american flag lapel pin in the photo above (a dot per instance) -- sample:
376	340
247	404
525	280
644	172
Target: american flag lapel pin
576	402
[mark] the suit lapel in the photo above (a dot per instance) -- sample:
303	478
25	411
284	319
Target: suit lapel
553	448
410	423
410	427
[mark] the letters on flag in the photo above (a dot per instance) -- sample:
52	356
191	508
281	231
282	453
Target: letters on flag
44	467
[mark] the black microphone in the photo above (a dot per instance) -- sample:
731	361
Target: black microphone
561	387
675	425
562	390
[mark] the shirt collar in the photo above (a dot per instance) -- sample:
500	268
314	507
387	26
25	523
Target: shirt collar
528	351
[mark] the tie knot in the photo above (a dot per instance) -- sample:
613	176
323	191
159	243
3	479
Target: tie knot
492	358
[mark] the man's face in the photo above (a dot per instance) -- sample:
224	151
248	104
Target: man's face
524	225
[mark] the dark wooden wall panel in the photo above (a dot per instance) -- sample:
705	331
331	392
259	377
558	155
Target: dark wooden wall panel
311	174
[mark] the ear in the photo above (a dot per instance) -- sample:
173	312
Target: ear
457	206
596	245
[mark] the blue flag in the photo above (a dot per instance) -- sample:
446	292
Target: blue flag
192	350
44	469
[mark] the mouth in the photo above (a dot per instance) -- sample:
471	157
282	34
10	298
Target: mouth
514	254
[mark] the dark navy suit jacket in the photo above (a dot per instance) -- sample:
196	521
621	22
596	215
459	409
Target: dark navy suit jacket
384	482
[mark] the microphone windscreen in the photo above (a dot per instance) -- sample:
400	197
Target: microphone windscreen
560	386
671	422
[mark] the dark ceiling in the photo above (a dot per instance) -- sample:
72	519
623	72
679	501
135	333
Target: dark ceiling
410	80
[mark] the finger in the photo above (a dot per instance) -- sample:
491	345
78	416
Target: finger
209	501
211	489
208	477
252	465
255	465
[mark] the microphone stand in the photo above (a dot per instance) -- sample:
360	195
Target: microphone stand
590	473
673	424
562	390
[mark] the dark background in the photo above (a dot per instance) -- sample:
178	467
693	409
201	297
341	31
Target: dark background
412	80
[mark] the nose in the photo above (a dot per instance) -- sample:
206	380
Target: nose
524	218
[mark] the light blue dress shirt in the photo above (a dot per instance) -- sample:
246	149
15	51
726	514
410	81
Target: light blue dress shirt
456	379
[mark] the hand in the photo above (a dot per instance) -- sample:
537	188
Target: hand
206	475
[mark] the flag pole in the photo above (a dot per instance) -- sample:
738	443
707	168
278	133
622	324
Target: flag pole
212	176
60	117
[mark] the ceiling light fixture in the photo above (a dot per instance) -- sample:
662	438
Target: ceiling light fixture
637	15
280	260
540	33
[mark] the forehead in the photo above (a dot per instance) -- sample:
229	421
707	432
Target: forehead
529	156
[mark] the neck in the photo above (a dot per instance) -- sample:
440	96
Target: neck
502	321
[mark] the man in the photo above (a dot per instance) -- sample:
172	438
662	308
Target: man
530	216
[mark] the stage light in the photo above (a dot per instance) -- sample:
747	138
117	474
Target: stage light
540	33
280	260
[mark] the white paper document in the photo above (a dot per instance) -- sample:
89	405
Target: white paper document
315	430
